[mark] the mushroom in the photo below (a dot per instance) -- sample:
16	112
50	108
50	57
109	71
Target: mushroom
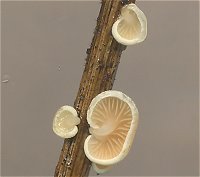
113	120
131	26
65	121
100	168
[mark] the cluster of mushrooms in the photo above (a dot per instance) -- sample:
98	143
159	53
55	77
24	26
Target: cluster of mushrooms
112	115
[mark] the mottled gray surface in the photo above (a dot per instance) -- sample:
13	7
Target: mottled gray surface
43	51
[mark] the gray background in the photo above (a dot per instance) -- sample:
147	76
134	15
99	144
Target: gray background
43	51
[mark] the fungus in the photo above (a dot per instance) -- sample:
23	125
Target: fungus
113	120
65	121
100	168
131	26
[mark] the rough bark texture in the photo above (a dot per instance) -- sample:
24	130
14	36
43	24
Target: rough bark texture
102	61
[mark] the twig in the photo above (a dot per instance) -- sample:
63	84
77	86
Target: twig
102	61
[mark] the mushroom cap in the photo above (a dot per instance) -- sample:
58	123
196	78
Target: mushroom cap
113	120
131	27
65	121
100	168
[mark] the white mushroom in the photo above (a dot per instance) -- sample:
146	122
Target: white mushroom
65	121
113	120
100	168
131	27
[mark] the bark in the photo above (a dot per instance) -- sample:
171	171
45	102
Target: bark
102	61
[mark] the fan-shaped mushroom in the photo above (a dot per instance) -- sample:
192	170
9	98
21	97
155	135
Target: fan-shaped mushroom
65	121
131	27
113	120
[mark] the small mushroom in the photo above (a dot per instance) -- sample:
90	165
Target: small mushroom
113	120
65	121
100	168
131	26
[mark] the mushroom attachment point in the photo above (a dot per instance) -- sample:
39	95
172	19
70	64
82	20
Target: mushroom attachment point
113	120
65	121
131	26
100	168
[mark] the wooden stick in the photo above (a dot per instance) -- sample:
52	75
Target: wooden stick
102	61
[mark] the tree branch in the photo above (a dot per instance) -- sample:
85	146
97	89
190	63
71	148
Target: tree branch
102	61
